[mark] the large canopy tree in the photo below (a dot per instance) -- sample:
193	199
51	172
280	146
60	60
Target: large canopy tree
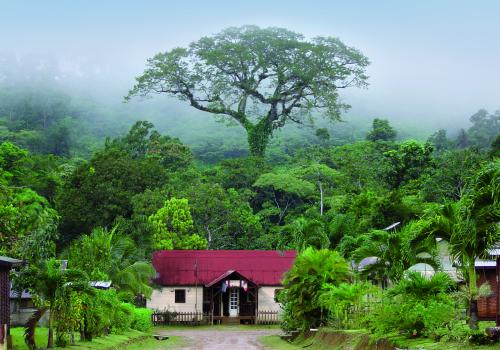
259	78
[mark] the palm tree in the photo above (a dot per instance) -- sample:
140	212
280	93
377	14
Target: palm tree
107	255
311	272
415	284
303	233
49	281
471	226
395	252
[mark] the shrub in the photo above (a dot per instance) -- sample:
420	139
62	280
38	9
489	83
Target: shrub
142	319
312	272
123	317
348	303
417	306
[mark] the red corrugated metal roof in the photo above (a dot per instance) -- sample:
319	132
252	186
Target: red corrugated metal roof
190	267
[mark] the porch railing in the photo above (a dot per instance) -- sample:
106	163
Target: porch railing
267	317
179	318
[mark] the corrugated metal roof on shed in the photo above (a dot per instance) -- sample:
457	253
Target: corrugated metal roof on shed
190	267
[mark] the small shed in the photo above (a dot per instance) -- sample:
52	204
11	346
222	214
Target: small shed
21	307
495	253
6	264
486	271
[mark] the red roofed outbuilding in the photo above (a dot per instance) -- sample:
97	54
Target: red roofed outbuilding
223	283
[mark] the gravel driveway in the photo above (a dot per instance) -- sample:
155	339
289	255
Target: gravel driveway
222	339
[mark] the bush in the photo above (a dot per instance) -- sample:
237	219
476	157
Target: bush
141	320
123	317
348	303
312	272
417	306
457	331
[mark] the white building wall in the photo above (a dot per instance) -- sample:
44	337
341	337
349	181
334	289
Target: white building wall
266	299
164	299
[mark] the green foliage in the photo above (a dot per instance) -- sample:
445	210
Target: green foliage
106	255
141	319
416	285
105	313
280	193
440	141
224	217
100	191
172	224
303	233
241	173
362	164
68	311
312	272
417	306
27	223
485	127
408	162
395	251
447	179
347	303
102	313
285	183
143	142
471	226
322	134
52	285
381	131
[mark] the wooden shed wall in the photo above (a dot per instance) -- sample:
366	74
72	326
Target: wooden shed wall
4	295
487	307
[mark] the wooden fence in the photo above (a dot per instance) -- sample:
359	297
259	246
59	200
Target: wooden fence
198	318
268	317
179	318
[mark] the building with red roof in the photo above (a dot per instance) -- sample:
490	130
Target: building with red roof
222	283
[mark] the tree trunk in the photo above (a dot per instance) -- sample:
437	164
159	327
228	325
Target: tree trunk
473	318
321	198
30	328
50	340
258	137
473	311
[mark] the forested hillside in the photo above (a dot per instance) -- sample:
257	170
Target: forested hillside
151	188
247	142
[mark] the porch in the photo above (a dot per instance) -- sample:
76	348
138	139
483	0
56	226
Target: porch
231	299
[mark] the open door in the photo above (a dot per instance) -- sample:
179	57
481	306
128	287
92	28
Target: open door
233	302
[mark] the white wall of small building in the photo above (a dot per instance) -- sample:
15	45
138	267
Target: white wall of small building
163	299
266	300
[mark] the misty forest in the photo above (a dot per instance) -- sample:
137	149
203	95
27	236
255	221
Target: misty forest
245	138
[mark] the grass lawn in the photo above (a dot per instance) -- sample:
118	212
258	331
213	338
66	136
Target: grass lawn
274	342
130	340
173	342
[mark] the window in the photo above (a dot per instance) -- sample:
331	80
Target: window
180	295
276	294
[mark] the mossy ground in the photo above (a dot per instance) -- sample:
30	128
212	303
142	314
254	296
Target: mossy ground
358	339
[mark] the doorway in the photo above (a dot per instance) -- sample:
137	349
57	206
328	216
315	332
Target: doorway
233	302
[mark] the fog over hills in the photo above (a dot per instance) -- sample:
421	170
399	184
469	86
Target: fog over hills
433	64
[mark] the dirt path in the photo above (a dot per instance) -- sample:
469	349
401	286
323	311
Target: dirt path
223	339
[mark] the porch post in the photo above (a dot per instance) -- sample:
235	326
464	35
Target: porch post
256	304
498	292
